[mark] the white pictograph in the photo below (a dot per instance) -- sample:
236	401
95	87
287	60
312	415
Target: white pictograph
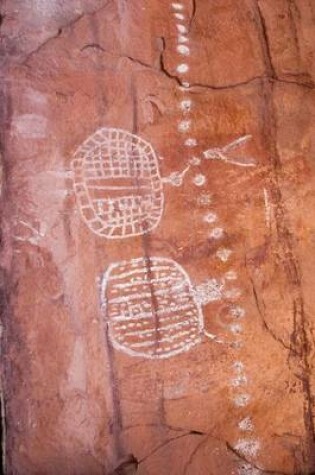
118	185
152	309
224	153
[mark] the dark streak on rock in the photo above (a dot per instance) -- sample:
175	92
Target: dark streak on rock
194	453
251	464
128	466
193	14
264	40
305	82
299	341
116	423
261	313
293	12
168	441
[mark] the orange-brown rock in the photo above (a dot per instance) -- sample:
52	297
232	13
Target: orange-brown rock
157	237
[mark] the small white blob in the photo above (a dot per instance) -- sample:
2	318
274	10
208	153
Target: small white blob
199	180
237	312
249	448
210	218
236	328
231	275
224	254
182	39
185	105
239	381
204	199
182	68
238	366
195	161
246	425
181	28
191	142
242	400
237	345
184	50
216	233
248	469
233	294
184	125
178	6
185	85
179	16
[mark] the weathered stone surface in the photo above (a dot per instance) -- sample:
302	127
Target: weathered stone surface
238	219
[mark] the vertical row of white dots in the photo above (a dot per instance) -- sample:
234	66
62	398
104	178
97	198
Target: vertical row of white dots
247	445
183	49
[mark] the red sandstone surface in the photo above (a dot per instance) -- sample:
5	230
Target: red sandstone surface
172	141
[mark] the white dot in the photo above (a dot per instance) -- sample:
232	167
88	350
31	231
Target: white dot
185	85
185	105
239	381
191	142
182	68
179	16
231	275
181	28
199	180
232	294
236	328
238	366
246	425
178	6
195	161
237	312
249	448
184	50
242	400
204	199
217	233
184	125
224	254
182	39
210	218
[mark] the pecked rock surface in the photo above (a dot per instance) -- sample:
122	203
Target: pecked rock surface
205	364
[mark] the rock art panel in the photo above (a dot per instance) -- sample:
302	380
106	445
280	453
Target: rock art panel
157	231
118	185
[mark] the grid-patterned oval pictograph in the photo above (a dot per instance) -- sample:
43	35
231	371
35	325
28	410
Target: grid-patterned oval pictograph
117	184
150	308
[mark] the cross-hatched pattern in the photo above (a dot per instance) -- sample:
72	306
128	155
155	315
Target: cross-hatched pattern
117	184
150	308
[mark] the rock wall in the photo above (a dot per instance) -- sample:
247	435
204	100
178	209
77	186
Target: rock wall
157	236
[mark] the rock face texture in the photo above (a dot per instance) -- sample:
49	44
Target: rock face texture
157	237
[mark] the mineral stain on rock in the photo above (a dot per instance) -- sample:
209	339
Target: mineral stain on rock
157	187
